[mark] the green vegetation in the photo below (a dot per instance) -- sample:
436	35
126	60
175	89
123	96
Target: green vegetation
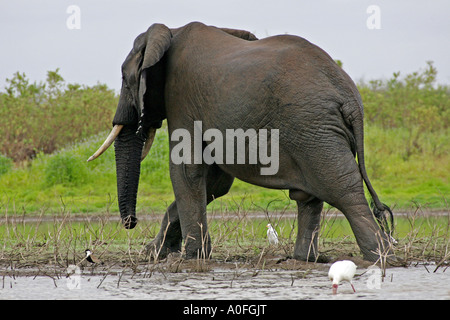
5	164
44	117
50	129
407	138
51	245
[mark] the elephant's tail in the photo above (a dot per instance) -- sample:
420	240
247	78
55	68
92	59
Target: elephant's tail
353	114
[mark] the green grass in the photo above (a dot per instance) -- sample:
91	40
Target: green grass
422	178
235	236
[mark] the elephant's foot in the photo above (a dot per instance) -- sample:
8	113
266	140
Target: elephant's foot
194	249
309	256
159	249
191	250
305	253
378	249
383	258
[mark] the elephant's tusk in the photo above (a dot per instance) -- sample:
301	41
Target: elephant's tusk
109	140
148	143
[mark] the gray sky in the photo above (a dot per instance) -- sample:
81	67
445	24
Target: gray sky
34	36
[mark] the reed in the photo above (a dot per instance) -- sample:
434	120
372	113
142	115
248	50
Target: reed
46	245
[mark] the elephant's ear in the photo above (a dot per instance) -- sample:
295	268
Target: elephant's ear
157	40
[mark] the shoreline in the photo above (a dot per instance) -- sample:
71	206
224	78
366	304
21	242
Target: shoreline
115	217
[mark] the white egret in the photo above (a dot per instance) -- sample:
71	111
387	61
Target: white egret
272	235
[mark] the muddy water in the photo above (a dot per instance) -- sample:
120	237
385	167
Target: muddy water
415	282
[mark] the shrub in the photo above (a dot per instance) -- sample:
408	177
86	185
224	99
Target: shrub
43	117
65	169
5	164
414	103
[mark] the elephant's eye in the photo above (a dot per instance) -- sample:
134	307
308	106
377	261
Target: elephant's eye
125	82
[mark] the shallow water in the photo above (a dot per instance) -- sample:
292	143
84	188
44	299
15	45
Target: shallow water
414	282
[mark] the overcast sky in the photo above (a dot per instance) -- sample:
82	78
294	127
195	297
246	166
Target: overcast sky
398	35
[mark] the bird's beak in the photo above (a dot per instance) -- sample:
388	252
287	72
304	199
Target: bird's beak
335	286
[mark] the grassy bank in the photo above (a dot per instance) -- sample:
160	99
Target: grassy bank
406	139
49	247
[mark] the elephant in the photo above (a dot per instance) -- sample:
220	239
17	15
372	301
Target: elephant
230	79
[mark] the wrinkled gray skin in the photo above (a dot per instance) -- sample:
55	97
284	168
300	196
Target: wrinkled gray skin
229	79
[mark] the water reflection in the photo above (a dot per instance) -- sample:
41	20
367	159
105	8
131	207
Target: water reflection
400	283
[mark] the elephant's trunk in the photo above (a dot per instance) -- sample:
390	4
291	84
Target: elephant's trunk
128	148
130	151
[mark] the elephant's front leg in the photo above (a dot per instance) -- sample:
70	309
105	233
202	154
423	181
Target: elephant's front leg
189	185
169	238
308	227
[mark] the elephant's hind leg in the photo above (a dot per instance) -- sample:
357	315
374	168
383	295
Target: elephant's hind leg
218	183
308	227
342	187
370	238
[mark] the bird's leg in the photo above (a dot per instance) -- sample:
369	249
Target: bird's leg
353	287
